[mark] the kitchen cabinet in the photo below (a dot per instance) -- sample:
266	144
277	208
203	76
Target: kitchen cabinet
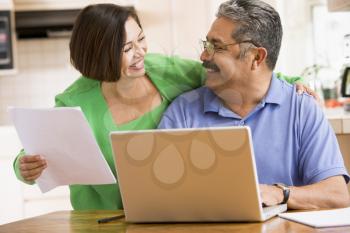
26	5
338	5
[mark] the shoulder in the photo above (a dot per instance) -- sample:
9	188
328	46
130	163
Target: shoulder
306	103
289	89
309	115
289	92
191	98
301	107
285	86
183	109
187	102
80	86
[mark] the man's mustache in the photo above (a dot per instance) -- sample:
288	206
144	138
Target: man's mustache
210	65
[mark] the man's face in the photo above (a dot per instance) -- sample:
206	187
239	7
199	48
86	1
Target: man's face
223	65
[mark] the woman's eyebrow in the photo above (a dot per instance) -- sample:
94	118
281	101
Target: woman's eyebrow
130	42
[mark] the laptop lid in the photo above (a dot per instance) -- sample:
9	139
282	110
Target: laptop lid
187	175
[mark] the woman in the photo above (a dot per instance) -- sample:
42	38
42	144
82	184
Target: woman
122	88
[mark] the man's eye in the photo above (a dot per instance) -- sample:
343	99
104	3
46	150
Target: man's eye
219	48
141	39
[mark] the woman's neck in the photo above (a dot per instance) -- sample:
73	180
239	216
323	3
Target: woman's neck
129	91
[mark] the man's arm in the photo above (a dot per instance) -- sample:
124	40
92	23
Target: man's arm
329	193
319	162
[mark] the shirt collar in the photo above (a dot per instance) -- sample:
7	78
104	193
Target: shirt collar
275	93
211	102
274	96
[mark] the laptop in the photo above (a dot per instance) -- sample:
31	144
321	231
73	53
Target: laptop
189	175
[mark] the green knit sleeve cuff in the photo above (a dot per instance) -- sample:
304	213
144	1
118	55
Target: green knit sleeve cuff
290	79
16	168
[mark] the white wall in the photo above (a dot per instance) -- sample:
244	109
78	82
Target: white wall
297	48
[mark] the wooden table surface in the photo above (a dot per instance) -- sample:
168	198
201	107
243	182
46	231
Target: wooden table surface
86	222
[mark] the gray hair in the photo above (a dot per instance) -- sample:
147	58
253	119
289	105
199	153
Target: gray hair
258	22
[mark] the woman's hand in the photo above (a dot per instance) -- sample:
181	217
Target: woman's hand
31	167
301	88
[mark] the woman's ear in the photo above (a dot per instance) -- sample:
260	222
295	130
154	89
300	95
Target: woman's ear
260	57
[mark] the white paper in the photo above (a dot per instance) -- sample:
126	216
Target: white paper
322	218
64	138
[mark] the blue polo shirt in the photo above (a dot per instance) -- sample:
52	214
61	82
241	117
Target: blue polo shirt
293	141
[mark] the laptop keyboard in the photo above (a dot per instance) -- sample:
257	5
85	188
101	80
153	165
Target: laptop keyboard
271	211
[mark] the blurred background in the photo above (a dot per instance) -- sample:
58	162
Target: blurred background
35	66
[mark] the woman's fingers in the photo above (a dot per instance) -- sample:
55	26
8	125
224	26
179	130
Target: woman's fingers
33	178
302	88
31	167
33	172
31	158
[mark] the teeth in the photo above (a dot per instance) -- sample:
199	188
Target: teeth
138	64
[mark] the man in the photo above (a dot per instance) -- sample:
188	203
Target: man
293	141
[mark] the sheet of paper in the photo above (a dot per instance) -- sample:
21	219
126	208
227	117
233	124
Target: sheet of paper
64	138
322	218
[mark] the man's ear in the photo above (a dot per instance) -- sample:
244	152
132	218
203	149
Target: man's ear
259	58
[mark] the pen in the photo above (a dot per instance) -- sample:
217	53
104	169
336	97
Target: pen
105	220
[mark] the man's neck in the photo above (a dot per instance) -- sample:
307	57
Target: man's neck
243	96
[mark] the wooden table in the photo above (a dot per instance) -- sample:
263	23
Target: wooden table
86	222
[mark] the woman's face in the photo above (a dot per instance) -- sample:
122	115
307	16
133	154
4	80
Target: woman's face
134	51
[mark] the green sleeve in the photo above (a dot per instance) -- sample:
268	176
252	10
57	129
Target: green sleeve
174	75
16	167
290	79
22	153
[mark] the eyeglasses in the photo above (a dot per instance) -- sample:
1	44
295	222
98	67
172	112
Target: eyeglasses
211	49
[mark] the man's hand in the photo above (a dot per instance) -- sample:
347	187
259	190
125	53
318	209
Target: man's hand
31	167
326	194
301	88
270	194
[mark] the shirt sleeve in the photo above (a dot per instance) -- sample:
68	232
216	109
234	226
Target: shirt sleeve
174	75
16	164
290	79
319	153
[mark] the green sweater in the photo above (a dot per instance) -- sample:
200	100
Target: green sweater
171	75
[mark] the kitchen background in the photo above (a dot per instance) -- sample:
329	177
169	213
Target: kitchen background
315	45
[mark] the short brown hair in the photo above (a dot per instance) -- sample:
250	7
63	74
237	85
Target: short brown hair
98	37
258	22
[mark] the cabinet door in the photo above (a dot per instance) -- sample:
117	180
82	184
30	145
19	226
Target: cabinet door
338	5
27	5
11	201
11	198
